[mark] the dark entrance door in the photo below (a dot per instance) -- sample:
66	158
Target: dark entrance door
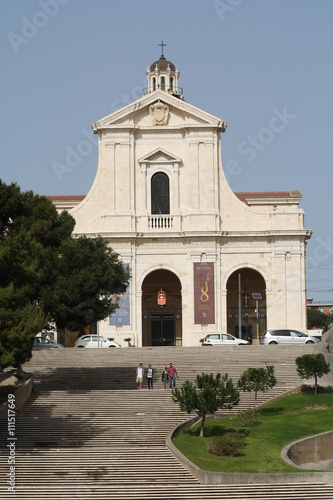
161	321
241	286
162	328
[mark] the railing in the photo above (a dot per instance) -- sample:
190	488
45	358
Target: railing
175	90
160	222
320	303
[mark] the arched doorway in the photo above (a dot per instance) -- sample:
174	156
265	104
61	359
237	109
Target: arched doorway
241	286
161	324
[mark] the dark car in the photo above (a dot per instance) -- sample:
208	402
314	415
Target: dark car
44	343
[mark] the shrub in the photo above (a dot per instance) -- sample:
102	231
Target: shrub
310	389
247	418
230	444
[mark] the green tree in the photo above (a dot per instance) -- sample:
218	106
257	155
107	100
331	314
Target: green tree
30	228
316	318
330	318
206	395
86	273
312	366
45	274
257	379
17	334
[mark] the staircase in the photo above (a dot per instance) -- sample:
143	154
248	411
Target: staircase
88	433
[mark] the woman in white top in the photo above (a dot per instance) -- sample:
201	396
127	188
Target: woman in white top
139	376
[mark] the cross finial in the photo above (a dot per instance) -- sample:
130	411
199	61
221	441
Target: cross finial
162	45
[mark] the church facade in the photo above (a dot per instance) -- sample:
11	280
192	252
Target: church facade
202	258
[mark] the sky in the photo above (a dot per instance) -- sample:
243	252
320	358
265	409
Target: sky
67	63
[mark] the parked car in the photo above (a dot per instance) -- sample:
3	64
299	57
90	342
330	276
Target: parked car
43	342
223	339
95	341
285	336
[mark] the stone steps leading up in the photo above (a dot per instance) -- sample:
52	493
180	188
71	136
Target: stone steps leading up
87	432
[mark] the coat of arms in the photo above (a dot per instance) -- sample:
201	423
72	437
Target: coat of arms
161	298
159	113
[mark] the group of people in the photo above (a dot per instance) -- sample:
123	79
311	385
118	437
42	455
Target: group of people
169	375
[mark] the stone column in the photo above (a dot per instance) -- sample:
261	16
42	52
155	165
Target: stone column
176	192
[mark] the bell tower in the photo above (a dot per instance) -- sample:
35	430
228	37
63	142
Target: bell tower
163	75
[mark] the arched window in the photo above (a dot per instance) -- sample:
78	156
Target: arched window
162	83
160	195
154	83
171	83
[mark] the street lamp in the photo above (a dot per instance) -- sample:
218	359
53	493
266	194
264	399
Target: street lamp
257	296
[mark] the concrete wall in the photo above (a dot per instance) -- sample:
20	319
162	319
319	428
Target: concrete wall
210	477
22	395
310	450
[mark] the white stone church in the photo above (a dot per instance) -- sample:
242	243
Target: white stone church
203	259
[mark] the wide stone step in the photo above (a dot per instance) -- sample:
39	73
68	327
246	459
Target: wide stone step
174	492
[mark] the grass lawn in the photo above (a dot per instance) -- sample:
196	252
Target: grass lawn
283	421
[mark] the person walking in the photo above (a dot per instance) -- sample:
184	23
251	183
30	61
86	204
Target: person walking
139	376
150	377
165	377
172	374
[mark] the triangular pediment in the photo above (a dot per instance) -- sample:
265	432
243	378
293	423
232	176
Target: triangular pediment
178	113
159	156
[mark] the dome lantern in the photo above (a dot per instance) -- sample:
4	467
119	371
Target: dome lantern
163	75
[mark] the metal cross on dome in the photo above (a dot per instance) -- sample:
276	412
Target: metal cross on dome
162	45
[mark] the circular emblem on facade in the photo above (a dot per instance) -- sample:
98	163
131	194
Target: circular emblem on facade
159	113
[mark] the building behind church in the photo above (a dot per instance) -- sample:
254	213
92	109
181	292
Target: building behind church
203	259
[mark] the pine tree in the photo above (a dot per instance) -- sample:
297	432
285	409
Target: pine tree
46	275
312	366
257	379
206	395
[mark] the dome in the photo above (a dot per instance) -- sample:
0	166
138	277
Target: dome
162	65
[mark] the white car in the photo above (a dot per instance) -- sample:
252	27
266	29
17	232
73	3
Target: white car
223	339
95	341
272	337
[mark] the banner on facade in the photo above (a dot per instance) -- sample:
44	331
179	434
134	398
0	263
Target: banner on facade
122	315
204	294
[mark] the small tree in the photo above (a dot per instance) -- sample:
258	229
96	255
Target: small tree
206	395
316	318
312	366
257	379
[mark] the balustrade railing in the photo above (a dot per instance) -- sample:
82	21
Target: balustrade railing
160	222
175	90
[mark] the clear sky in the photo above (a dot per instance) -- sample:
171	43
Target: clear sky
67	63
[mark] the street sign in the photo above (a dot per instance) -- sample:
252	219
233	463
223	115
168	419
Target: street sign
256	296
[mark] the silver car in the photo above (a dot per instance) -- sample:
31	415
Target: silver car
223	339
285	336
